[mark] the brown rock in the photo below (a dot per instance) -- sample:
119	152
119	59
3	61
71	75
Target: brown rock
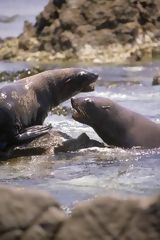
27	40
112	219
26	215
83	20
49	144
66	27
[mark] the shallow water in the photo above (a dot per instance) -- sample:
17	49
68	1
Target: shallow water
74	177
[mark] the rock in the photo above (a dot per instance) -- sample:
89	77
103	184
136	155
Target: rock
28	40
109	219
115	31
156	80
26	215
8	19
29	214
8	49
122	18
11	76
53	142
82	141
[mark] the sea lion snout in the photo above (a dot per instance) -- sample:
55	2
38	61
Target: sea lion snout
91	75
94	75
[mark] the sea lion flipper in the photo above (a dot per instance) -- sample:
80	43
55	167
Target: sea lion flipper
31	133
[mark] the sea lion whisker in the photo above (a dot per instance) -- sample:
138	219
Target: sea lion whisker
83	112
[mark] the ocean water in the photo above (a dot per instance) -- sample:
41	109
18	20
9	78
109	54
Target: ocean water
20	10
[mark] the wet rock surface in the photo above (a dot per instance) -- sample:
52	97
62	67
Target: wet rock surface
12	76
26	214
98	31
51	143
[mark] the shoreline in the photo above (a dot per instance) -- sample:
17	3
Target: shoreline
142	50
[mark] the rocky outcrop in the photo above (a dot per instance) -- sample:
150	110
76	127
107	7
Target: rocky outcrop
51	143
12	76
98	31
72	24
26	215
156	80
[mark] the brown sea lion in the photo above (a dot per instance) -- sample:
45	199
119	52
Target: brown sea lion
24	104
116	125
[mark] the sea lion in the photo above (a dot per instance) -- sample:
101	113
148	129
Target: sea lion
116	125
24	104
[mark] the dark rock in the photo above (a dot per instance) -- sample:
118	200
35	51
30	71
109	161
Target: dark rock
59	3
51	143
82	141
8	19
11	76
127	32
156	80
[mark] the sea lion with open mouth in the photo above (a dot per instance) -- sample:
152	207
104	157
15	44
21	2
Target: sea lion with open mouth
116	125
24	104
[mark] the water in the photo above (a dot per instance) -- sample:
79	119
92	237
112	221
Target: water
21	10
74	177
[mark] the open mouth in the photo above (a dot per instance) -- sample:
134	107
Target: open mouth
78	114
89	88
91	83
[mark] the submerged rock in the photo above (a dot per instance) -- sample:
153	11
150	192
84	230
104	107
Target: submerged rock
8	19
51	143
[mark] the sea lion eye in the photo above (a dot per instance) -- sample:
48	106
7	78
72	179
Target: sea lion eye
106	107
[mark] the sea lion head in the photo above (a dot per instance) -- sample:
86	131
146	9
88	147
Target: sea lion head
70	81
105	116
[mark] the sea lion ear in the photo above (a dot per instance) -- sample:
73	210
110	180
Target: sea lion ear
106	107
